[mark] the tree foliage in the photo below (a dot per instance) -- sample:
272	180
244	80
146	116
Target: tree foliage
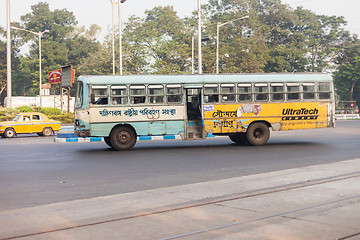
347	78
275	38
63	44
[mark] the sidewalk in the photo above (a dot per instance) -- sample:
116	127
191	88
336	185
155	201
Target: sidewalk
316	202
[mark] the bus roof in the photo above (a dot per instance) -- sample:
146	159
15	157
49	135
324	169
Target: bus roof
206	78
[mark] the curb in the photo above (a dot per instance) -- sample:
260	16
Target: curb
91	139
67	137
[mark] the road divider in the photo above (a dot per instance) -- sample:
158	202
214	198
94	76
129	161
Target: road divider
71	137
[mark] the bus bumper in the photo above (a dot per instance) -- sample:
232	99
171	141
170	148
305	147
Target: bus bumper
82	133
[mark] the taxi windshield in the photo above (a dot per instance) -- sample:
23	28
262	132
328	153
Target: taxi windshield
16	118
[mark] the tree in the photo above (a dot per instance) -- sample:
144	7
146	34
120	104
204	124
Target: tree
3	62
64	44
158	43
347	78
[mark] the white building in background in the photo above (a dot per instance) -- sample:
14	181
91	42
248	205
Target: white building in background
47	101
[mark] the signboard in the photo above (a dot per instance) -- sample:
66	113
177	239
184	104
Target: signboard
351	104
67	76
55	76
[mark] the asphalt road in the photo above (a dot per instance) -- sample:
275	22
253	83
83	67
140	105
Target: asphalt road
36	171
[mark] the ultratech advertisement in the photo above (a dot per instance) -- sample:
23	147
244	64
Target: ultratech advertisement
220	118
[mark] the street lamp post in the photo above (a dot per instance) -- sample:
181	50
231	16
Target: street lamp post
217	38
192	55
206	38
199	37
120	37
39	34
113	3
8	64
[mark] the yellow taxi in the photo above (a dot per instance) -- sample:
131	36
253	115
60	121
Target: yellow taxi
32	122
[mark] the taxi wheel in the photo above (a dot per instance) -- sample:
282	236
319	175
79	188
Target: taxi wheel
9	133
47	131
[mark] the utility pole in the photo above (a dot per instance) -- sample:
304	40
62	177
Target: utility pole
199	37
39	34
113	3
120	36
8	65
217	38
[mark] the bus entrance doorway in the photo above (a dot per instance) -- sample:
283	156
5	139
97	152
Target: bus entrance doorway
194	127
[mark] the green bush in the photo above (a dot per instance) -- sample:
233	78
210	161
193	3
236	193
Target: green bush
25	109
8	112
64	118
50	111
37	109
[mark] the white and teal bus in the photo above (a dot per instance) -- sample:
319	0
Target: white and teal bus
242	106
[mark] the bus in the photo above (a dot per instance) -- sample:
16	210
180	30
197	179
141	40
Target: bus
242	106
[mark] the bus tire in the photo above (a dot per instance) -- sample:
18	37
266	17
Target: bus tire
47	131
239	138
107	141
123	138
258	134
9	133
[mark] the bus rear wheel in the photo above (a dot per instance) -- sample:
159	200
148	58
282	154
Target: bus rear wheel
258	134
123	138
239	138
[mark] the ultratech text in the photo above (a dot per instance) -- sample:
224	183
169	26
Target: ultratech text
302	111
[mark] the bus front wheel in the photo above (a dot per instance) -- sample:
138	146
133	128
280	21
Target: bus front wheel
258	134
107	141
123	138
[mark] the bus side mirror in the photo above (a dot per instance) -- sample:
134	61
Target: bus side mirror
92	96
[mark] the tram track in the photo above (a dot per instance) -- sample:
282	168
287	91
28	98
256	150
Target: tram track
349	237
218	201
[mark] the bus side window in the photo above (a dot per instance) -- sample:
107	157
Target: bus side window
324	91
277	92
245	92
137	94
293	91
156	93
173	93
227	92
211	93
101	95
261	92
119	95
308	91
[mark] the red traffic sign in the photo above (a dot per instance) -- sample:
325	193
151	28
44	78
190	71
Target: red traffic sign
351	104
55	76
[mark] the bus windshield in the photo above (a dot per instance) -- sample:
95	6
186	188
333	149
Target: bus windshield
79	95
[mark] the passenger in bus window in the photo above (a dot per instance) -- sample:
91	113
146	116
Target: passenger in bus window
213	98
138	100
171	99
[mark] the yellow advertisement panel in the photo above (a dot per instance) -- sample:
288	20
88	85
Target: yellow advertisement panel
231	118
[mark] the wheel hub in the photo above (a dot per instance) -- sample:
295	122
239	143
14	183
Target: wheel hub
123	137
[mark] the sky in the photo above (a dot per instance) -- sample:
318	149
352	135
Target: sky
99	11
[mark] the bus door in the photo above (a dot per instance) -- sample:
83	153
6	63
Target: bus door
194	123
